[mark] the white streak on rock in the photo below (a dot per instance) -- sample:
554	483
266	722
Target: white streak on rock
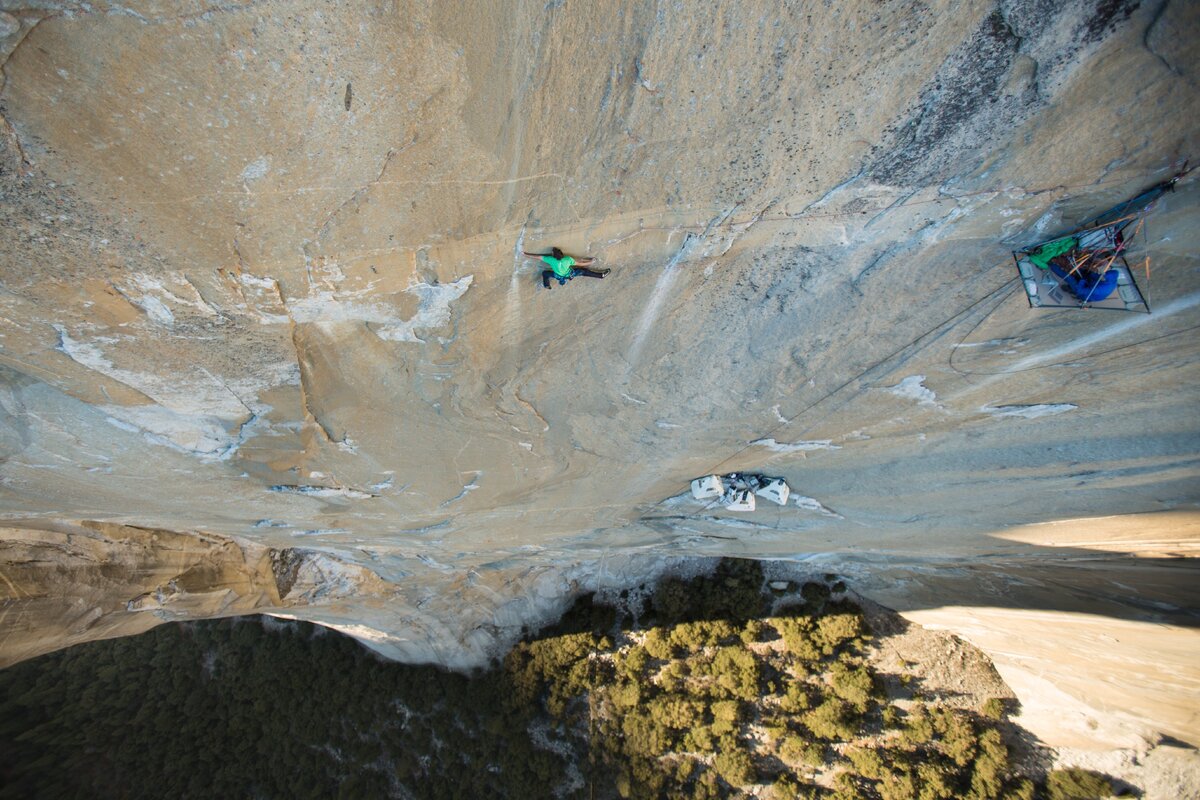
323	491
322	577
1011	342
1030	411
661	288
1131	321
513	315
150	293
913	388
433	311
206	437
813	504
795	447
194	411
258	168
386	483
332	307
156	310
470	487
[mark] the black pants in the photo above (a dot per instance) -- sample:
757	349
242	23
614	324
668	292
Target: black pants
547	274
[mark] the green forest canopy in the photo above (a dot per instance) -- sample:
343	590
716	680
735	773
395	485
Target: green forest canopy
709	694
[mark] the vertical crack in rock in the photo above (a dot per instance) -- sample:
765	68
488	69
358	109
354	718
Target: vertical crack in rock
241	260
913	242
24	162
529	407
323	227
1149	45
216	310
358	193
10	132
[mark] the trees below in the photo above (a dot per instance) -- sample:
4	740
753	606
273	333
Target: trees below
712	694
233	709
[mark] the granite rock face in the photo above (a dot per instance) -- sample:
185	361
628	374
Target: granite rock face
261	277
66	584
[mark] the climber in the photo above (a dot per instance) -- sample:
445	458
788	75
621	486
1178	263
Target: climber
563	268
1091	281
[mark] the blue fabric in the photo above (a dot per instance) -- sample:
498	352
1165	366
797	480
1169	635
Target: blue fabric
1085	285
547	274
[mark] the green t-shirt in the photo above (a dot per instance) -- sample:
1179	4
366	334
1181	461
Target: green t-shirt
561	266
